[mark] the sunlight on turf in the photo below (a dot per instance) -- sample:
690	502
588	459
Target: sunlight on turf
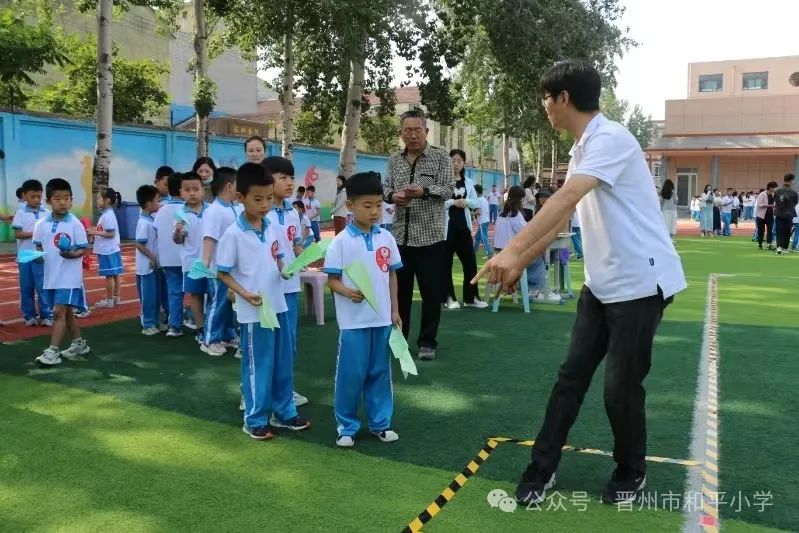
435	399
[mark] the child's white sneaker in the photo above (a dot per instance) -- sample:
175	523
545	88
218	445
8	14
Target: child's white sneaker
387	435
46	323
345	441
149	332
31	322
237	355
105	303
216	349
174	333
299	399
232	343
50	357
477	304
83	314
76	349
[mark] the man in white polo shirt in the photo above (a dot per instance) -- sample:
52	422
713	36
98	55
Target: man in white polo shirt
632	272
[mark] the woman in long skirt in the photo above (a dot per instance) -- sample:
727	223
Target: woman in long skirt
706	224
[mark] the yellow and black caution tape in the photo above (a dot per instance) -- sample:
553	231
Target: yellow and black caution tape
493	442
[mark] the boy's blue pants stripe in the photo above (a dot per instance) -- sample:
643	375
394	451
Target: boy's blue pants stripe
363	369
31	282
174	286
149	299
482	238
267	373
293	301
218	314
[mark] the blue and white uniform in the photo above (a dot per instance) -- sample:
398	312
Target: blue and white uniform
63	278
191	250
147	280
169	260
31	274
363	366
219	322
109	257
267	367
286	220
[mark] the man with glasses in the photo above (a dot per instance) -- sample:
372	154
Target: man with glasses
632	272
419	181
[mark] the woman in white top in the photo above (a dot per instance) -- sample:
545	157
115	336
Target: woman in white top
668	207
528	203
339	210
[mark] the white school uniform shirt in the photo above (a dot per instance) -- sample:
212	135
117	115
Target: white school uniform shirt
796	218
286	221
250	256
493	198
107	245
736	202
164	222
312	206
192	246
482	205
506	228
388	213
628	252
305	222
60	273
146	235
378	250
25	219
219	216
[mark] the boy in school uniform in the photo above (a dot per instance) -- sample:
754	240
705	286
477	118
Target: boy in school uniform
483	221
63	239
305	222
286	219
220	333
147	282
249	264
189	238
363	366
312	207
169	256
161	183
31	274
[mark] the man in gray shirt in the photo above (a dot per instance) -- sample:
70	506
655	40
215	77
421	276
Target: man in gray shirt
419	181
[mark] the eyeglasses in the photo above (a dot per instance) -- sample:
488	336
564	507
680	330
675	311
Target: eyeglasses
544	100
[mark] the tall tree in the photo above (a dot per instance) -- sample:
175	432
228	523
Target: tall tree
641	126
105	100
615	109
204	89
380	133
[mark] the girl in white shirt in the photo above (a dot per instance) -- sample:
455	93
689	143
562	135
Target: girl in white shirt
106	246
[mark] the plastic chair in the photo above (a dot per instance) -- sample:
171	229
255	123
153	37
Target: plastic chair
314	283
523	292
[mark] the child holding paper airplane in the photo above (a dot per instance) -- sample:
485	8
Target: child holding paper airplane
63	240
361	264
287	220
249	263
169	256
106	246
31	273
188	235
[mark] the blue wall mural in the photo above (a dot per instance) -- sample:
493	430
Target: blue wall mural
44	148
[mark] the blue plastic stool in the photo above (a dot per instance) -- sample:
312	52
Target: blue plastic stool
525	294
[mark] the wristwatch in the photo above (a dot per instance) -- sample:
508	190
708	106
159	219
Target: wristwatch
426	192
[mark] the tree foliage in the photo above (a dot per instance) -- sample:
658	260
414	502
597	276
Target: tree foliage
618	110
137	86
380	132
311	129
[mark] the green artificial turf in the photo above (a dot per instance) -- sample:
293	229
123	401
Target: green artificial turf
145	434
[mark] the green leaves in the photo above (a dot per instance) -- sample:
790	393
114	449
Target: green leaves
380	133
204	96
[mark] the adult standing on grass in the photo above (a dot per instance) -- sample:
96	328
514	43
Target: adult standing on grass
419	182
765	215
706	220
340	211
668	207
631	270
785	200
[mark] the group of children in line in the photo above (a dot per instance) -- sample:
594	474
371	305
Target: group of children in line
246	236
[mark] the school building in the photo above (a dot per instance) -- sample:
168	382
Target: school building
738	127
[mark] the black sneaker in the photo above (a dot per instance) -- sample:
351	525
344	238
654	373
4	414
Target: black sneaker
261	433
532	488
297	423
623	487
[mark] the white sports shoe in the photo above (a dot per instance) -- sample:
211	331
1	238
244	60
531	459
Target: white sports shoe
299	399
387	435
105	303
83	314
189	324
452	304
174	333
237	355
216	349
345	441
232	343
47	323
477	304
50	357
76	349
31	322
149	332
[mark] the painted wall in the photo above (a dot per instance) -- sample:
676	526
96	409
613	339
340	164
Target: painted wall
44	148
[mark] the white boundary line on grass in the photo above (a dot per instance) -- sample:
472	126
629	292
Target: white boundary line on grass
704	441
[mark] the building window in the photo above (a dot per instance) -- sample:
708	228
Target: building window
711	83
755	81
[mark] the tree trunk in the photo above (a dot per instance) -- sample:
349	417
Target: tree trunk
538	155
105	107
201	72
287	93
505	158
521	160
352	117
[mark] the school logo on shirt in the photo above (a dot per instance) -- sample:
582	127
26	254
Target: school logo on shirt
100	228
62	241
382	258
291	232
274	249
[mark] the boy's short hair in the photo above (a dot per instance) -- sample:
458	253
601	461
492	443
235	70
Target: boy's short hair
310	188
146	194
30	185
222	176
772	185
56	185
478	188
163	172
252	175
278	165
298	204
190	176
300	189
255	138
363	184
173	183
